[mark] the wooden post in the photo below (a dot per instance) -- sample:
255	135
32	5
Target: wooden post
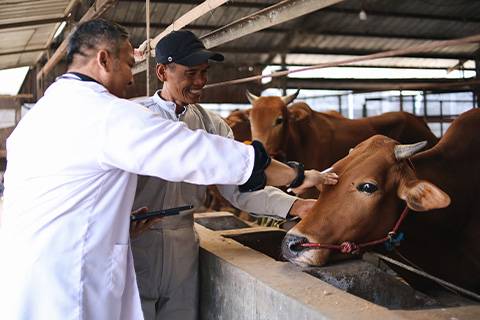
275	14
425	113
401	101
18	113
413	105
340	104
284	79
441	118
147	19
476	91
39	83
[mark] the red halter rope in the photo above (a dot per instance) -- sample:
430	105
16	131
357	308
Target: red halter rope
352	247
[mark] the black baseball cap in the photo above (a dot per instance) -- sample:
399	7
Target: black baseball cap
183	47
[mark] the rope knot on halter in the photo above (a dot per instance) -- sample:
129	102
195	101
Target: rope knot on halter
348	247
393	240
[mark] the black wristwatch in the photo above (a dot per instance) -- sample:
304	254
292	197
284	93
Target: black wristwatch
300	173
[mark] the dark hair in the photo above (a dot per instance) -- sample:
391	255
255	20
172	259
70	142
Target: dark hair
88	35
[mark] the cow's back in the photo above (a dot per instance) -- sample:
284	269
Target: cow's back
450	233
403	127
320	139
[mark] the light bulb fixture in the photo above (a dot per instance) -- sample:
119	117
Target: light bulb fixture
362	15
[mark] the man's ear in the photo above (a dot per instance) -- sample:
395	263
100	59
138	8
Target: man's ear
104	60
161	71
421	195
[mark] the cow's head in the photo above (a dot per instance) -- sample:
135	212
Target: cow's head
374	178
239	122
269	119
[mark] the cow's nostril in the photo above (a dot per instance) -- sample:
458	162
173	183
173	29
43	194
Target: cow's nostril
291	246
295	246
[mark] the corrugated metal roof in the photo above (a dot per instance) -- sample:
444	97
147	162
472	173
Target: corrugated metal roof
311	39
33	37
390	24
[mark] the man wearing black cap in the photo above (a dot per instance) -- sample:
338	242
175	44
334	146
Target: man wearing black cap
166	256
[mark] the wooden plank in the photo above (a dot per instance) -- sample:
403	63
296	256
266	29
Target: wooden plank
18	96
384	54
31	23
265	18
178	24
275	14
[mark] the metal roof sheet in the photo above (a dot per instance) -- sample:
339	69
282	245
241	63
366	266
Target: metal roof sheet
25	25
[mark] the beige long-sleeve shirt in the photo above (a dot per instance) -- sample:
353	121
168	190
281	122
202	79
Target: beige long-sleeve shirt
159	194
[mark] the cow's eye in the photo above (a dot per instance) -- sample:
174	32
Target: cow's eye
367	187
278	121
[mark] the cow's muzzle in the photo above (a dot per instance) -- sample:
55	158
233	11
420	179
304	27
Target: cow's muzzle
291	246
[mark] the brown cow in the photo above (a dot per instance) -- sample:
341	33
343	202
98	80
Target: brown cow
239	122
375	185
319	139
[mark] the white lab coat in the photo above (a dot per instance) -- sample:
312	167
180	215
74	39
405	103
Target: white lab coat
69	188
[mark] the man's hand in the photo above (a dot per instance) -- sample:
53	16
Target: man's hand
314	178
301	207
138	227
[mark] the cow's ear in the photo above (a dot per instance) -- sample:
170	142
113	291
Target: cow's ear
421	195
247	112
298	114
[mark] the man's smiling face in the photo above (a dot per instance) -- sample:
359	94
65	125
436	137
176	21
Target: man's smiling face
183	84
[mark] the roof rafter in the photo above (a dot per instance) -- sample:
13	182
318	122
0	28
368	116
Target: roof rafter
350	52
371	13
30	23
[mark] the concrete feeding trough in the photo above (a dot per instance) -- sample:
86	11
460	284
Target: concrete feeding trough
220	221
243	276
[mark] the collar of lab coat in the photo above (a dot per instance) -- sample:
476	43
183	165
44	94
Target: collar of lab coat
92	84
168	106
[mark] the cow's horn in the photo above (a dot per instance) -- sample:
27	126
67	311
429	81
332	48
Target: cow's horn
290	98
404	151
251	97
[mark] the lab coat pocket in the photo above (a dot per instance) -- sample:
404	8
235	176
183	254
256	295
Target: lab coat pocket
118	269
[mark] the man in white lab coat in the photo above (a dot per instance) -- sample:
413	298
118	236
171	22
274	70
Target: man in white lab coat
166	256
70	181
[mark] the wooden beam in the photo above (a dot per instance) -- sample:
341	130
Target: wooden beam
370	13
233	4
193	27
426	47
401	15
6	53
302	32
31	23
341	51
265	18
96	10
378	84
192	15
362	52
18	96
188	17
476	91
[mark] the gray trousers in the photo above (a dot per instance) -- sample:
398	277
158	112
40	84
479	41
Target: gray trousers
166	265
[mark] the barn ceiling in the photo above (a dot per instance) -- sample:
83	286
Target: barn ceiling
27	29
334	32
